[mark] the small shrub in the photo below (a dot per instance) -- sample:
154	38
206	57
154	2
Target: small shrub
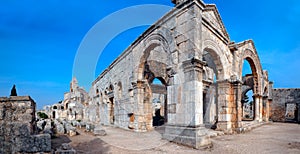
42	115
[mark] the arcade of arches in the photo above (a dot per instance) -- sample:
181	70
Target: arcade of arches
201	84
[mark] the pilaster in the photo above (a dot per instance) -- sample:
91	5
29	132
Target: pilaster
186	126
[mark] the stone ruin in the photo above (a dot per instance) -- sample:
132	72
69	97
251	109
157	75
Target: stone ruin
67	114
286	105
73	105
18	130
201	81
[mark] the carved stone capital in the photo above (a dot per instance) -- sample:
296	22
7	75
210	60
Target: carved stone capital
193	69
193	64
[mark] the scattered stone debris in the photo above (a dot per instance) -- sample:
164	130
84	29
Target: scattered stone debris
99	131
65	149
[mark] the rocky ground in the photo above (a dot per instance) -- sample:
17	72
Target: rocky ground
270	138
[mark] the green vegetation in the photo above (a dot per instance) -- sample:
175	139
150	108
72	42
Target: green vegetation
42	115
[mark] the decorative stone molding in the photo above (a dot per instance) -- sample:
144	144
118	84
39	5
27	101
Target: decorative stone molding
193	69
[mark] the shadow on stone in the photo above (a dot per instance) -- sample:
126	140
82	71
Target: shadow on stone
57	141
94	146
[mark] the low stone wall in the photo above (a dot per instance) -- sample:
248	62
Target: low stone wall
18	127
281	97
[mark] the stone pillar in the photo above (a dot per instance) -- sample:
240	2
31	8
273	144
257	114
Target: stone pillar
258	107
185	125
237	85
225	101
265	109
139	115
193	92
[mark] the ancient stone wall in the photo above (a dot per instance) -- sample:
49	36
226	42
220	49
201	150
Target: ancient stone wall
18	127
189	50
283	100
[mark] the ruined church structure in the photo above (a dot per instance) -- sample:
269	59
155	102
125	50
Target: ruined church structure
185	73
73	105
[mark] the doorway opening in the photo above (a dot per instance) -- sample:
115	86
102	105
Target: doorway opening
159	102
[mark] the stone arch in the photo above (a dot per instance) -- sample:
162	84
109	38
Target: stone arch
213	71
252	58
150	68
152	42
246	90
214	50
250	109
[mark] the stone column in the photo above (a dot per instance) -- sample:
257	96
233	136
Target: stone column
265	109
260	108
237	85
139	121
257	105
256	108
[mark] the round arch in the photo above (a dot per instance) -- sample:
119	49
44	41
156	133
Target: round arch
214	50
150	68
152	42
252	58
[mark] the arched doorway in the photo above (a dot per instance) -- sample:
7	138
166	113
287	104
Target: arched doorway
248	105
154	77
249	90
110	105
159	101
210	89
53	114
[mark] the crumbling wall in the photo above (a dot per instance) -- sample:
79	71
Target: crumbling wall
280	98
18	127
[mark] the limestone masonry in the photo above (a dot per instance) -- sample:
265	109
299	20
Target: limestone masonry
186	73
285	106
18	131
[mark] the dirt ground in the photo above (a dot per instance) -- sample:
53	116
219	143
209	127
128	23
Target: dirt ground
270	138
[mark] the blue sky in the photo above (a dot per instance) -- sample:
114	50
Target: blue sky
39	40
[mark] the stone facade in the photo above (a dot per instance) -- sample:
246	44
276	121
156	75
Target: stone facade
75	101
285	105
18	130
72	107
190	52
